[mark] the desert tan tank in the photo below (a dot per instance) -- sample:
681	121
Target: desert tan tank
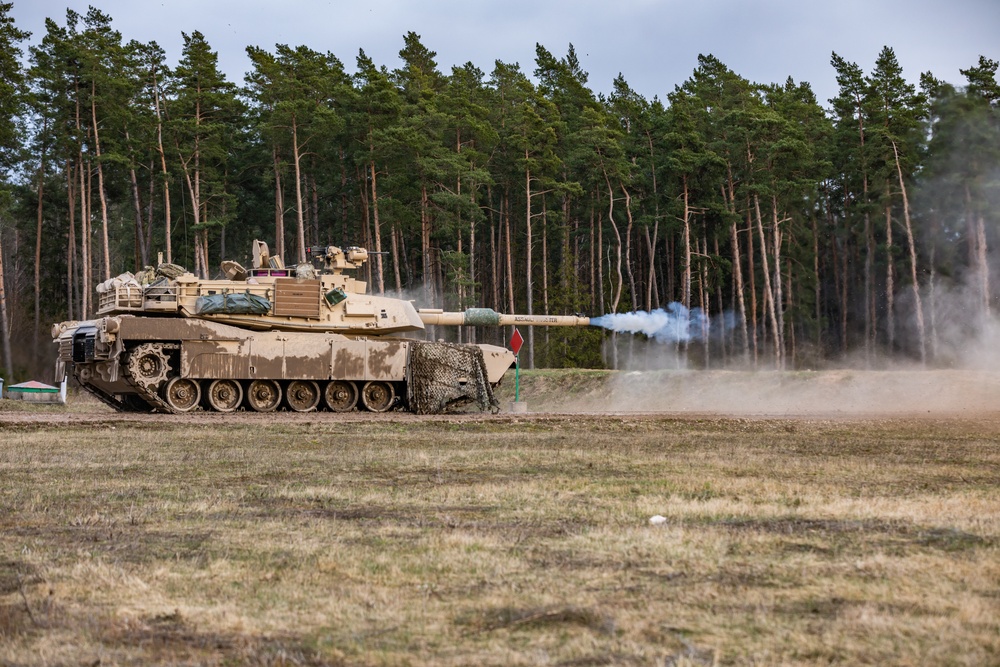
271	337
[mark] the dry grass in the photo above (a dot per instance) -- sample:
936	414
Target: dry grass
308	540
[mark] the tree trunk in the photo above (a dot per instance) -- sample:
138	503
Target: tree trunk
545	264
932	286
494	257
976	234
36	336
789	335
628	248
472	252
279	206
8	362
618	247
652	293
984	268
140	237
510	259
768	293
314	208
163	169
650	287
600	259
843	300
816	279
911	246
527	278
890	286
100	185
741	309
425	247
752	275
721	305
380	280
150	209
595	269
729	195
85	262
703	301
494	262
545	276
343	195
192	184
366	215
299	204
71	282
686	281
395	260
779	302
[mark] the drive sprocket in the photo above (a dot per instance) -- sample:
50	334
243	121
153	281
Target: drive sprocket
148	365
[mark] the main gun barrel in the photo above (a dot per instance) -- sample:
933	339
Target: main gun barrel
487	317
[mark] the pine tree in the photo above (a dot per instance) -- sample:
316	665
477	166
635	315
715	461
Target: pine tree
897	112
851	156
378	111
300	86
11	109
201	113
423	156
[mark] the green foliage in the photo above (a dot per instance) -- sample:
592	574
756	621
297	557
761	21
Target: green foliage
449	171
11	87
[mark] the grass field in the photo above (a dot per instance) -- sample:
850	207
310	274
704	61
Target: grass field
498	540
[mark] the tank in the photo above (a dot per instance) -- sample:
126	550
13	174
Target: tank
272	337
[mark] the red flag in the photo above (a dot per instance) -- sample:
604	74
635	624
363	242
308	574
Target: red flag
516	341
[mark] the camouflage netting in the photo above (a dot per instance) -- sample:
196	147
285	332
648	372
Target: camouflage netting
443	376
170	270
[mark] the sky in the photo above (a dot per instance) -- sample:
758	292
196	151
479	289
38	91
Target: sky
654	43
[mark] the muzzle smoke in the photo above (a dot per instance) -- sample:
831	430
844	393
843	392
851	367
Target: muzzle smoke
675	324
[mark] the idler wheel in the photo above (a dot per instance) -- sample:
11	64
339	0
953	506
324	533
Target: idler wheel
225	395
378	396
182	394
341	395
302	395
264	395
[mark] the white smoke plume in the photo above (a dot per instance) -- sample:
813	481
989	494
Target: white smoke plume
675	324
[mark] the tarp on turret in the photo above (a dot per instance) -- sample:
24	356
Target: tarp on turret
243	303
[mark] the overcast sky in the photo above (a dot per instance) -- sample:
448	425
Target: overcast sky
654	43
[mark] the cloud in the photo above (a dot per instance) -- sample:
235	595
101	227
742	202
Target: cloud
653	43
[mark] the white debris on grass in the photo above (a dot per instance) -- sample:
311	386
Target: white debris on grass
657	520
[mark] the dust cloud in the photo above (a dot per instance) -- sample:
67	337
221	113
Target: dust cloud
807	393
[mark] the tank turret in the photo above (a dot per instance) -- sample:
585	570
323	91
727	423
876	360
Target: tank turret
306	337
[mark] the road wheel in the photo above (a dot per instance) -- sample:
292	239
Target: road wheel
225	395
182	394
341	395
264	395
302	395
378	396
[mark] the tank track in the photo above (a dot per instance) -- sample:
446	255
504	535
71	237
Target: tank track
145	399
108	399
150	393
442	376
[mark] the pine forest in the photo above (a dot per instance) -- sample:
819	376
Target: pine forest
783	231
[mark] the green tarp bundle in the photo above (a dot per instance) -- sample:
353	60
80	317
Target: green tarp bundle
232	304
